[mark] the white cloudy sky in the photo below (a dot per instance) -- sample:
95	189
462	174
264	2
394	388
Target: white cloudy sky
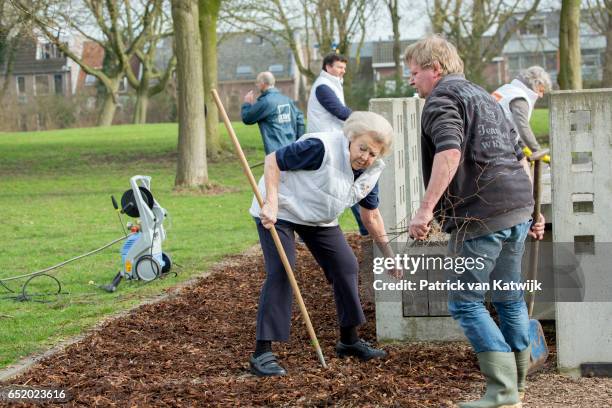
413	22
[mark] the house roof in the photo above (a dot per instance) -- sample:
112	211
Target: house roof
27	64
241	56
383	51
543	44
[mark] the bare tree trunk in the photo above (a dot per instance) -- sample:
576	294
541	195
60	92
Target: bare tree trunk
570	72
191	166
109	107
397	52
466	23
140	109
437	19
209	13
607	72
142	98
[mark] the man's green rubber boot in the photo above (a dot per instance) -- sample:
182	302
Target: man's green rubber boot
499	369
522	367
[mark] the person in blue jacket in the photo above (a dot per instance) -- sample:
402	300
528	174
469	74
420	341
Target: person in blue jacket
280	121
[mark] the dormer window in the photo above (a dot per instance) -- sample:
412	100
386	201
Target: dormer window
253	39
46	51
244	70
276	68
533	28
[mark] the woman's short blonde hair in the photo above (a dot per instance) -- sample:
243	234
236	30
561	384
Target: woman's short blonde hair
435	49
370	123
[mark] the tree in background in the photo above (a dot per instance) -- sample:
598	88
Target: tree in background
150	80
393	7
13	26
332	24
570	70
191	168
480	28
121	28
601	19
209	15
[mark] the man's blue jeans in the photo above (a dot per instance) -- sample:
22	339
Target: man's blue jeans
501	253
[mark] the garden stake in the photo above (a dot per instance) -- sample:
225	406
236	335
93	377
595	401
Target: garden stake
277	242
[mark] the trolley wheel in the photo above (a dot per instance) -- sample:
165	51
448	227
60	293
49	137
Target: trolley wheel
147	268
167	263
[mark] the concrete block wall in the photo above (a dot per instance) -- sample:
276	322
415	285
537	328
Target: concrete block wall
581	148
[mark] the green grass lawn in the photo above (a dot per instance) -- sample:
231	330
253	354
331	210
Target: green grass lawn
539	125
55	190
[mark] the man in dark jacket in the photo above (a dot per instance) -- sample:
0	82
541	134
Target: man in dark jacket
478	185
280	121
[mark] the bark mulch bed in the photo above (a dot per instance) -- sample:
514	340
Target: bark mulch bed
192	350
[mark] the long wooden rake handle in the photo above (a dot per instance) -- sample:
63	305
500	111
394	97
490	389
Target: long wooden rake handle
275	237
537	198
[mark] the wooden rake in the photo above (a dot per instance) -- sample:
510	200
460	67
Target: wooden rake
539	349
275	237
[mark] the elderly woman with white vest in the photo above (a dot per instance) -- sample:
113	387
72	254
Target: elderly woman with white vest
518	99
306	186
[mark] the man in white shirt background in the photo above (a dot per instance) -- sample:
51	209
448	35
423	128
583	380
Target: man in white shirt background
327	110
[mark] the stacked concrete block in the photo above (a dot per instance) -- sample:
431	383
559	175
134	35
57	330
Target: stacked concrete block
392	183
406	315
581	145
414	173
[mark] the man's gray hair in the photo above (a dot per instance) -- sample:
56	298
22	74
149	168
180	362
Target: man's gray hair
535	76
362	123
266	77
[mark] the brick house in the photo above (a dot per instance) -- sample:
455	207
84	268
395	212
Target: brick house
538	44
40	70
383	65
241	56
535	44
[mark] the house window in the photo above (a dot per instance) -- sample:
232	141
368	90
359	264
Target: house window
45	51
390	86
21	85
551	61
123	85
90	80
587	29
533	28
58	80
244	70
41	85
254	39
590	59
405	71
591	66
276	68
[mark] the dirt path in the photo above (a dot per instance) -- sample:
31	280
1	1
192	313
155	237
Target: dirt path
192	350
